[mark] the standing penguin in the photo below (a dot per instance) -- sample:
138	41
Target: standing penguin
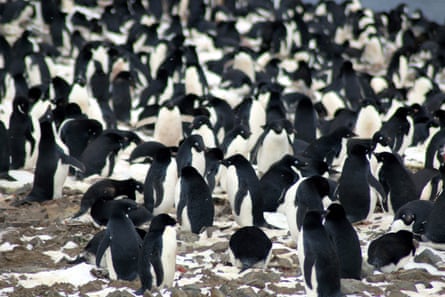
396	180
191	153
52	163
213	157
273	144
358	190
4	154
78	133
201	126
121	90
319	262
158	254
346	242
21	140
242	187
195	209
250	247
434	231
391	251
121	243
168	127
160	182
308	193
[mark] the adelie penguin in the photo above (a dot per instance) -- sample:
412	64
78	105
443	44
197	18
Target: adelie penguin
108	189
249	247
4	154
52	164
195	209
157	257
392	251
413	216
160	182
242	187
121	91
358	190
121	243
191	153
318	259
346	242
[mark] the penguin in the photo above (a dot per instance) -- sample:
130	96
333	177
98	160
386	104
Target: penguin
21	140
346	241
121	243
358	190
160	182
275	182
392	251
397	132
108	189
195	210
397	182
242	186
273	144
168	127
157	256
305	120
221	117
52	164
121	94
250	247
308	193
434	232
236	141
213	158
76	134
191	153
145	152
433	152
4	154
413	216
100	154
319	263
201	126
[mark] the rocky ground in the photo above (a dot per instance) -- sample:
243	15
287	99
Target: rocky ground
38	241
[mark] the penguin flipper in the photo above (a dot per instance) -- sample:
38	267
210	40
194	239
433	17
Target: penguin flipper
157	266
102	247
159	191
70	160
375	184
239	197
255	149
180	208
309	262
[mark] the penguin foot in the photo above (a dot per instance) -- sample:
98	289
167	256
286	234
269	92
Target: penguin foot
139	292
21	202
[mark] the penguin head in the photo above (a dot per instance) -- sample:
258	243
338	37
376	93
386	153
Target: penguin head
408	218
384	156
379	137
199	121
197	142
159	222
234	160
122	206
21	105
189	171
48	116
136	185
335	211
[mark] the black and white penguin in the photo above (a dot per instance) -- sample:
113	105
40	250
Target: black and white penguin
413	216
145	152
213	158
121	94
434	232
4	154
99	156
433	152
308	193
201	126
397	132
121	243
358	190
242	186
108	189
236	141
21	140
191	153
250	247
52	164
275	182
168	126
305	120
392	251
195	209
76	134
319	263
346	242
274	143
160	182
157	257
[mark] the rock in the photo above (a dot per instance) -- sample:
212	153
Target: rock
259	278
225	289
376	278
214	292
192	291
118	293
398	285
367	269
188	237
286	290
245	292
220	247
353	286
429	257
176	292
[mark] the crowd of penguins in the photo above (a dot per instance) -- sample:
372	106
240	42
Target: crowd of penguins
285	106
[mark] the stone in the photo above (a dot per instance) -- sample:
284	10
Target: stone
354	286
429	257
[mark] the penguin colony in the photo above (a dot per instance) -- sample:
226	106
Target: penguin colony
284	106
